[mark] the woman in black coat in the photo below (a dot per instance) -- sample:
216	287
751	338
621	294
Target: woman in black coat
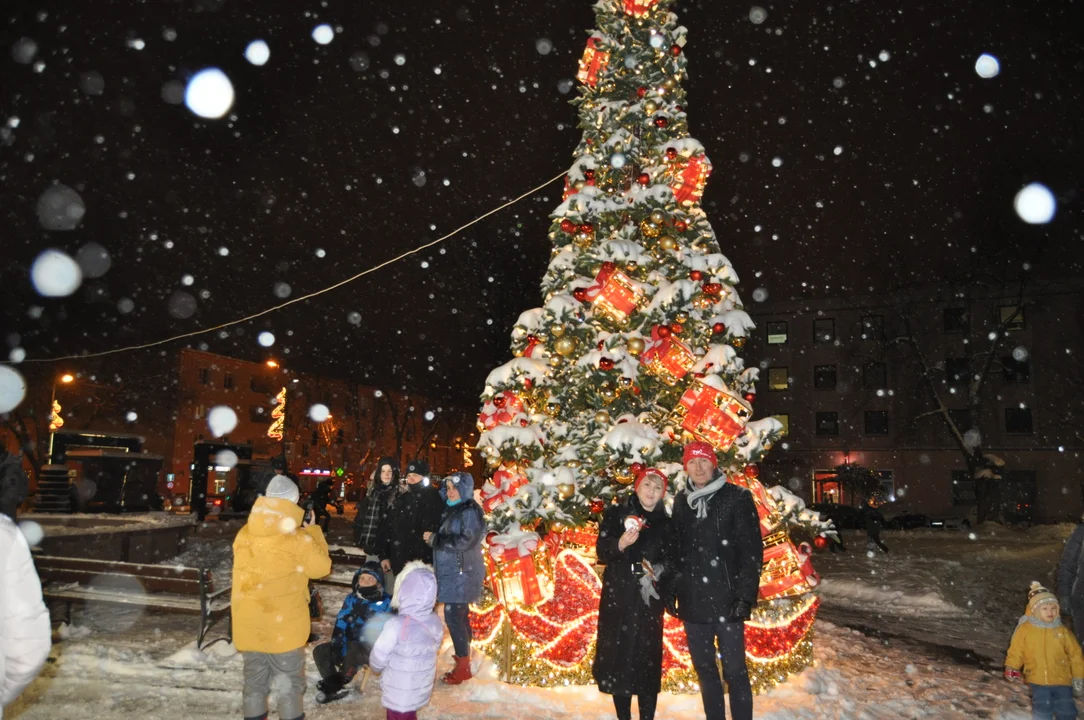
628	651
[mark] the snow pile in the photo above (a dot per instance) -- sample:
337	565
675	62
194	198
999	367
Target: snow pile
72	632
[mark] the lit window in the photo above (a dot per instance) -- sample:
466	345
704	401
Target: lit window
778	379
777	333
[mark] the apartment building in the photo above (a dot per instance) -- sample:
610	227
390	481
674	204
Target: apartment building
859	379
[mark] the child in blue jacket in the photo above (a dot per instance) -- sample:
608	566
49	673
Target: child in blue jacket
339	660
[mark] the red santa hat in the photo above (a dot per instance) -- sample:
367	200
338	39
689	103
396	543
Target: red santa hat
699	450
654	472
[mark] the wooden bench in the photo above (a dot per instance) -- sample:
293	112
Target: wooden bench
163	587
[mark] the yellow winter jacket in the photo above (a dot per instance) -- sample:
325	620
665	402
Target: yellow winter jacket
273	560
1047	655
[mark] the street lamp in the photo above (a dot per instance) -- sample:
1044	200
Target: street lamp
55	421
272	364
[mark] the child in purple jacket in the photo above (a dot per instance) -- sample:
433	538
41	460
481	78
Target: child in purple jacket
406	652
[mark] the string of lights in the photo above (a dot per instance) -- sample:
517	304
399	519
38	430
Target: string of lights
309	296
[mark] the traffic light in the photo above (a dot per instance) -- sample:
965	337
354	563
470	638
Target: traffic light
340	439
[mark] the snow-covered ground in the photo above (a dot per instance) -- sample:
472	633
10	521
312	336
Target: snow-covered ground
933	593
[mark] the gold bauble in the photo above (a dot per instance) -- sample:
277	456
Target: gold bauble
702	301
573	463
556	360
650	106
738	342
557	526
635	346
583	240
658	216
565	346
493	461
631	267
623	476
669	83
566	490
602	417
681	318
557	330
650	229
552	408
668	242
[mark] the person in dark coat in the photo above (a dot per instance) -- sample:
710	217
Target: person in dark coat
875	522
339	660
459	565
416	509
321	498
720	552
14	485
635	544
373	509
1071	578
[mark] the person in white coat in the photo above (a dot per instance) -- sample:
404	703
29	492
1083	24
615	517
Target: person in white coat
24	621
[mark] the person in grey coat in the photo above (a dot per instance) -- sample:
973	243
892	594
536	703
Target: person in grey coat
459	565
1071	578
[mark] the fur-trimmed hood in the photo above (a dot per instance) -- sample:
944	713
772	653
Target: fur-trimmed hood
415	589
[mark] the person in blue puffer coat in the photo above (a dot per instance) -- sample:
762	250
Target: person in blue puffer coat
339	660
459	565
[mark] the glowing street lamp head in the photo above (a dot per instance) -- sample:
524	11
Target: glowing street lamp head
67	378
272	364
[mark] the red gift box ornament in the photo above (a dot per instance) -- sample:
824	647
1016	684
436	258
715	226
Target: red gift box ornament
715	416
502	409
512	573
503	486
781	574
690	178
640	8
614	294
769	517
593	62
666	357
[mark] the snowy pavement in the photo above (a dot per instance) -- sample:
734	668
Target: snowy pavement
936	596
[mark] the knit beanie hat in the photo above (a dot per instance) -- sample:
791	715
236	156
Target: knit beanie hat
282	487
1038	595
699	450
419	467
653	472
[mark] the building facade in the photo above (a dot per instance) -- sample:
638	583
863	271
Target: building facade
863	380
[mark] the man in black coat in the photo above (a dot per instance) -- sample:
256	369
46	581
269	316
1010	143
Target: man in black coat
14	485
720	552
412	514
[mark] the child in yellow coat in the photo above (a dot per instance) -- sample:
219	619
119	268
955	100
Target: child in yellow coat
1049	656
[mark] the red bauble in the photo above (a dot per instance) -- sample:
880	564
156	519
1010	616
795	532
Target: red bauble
696	275
676	328
751	470
597	505
641	92
589	174
712	288
580	294
499	400
671	153
528	383
607	267
643	178
820	542
675	50
681	225
637	468
586	228
605	364
664	331
568	226
679	108
661	122
533	339
718	328
490	535
750	397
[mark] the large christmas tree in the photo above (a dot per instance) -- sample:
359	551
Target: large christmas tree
633	353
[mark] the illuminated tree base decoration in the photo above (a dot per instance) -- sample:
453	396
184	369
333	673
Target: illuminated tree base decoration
553	642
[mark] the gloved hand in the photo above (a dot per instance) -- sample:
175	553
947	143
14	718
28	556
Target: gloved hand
740	612
647	589
1078	687
670	599
1013	675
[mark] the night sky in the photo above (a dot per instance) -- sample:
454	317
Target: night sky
898	162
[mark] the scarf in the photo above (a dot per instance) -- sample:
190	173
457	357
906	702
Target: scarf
698	499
